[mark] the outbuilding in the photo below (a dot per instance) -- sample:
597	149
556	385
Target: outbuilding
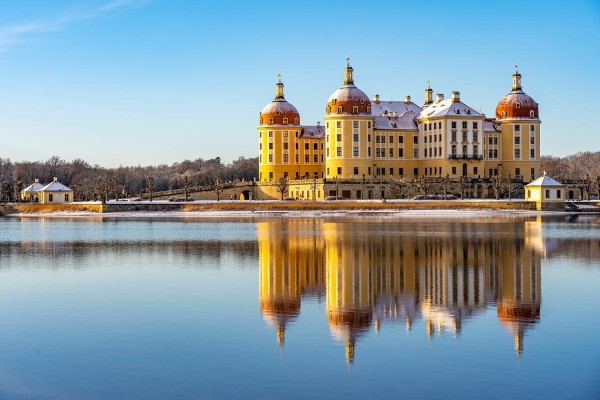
547	193
55	192
30	193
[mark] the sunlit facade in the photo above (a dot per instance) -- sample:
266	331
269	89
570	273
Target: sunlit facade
365	138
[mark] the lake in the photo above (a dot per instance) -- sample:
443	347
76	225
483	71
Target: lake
292	307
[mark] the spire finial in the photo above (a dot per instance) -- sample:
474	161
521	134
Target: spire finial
279	77
428	84
347	60
516	68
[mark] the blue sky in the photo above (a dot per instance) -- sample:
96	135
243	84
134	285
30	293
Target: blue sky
127	82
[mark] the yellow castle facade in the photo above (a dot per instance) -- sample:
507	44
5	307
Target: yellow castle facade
365	138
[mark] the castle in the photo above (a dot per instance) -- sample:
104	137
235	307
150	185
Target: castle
370	139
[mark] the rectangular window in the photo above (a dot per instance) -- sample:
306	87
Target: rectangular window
355	137
355	170
490	153
517	172
400	139
453	170
260	146
425	138
391	171
297	158
391	153
66	197
454	136
425	126
355	151
558	194
531	128
271	175
306	146
517	139
474	170
368	152
270	134
475	136
338	124
315	158
285	158
464	136
382	138
517	128
369	138
517	153
495	153
490	140
285	145
401	154
474	125
339	170
270	158
415	153
355	110
391	139
316	146
547	193
377	139
453	125
435	152
369	124
464	124
355	124
285	134
378	152
532	153
339	137
416	171
416	140
400	171
532	173
306	158
270	146
339	151
532	140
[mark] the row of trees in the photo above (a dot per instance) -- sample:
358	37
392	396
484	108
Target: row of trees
93	182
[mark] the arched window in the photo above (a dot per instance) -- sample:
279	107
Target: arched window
354	109
532	114
295	121
503	114
339	109
328	111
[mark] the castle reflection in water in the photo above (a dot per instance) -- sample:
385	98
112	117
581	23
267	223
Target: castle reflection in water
379	272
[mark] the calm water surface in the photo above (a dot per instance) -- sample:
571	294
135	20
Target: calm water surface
361	307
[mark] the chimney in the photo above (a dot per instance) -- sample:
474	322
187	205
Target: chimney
439	97
456	95
407	99
376	99
55	179
37	180
318	124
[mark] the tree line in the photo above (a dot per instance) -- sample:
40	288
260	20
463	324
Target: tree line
93	182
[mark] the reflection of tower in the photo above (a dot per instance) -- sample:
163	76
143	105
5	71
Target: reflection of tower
290	265
520	290
349	291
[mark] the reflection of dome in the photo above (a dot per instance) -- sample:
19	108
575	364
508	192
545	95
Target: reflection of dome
348	100
279	312
517	318
517	104
279	111
347	326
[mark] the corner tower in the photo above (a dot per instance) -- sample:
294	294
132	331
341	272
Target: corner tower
348	130
278	132
518	116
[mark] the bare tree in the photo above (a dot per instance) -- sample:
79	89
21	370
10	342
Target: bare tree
314	187
587	185
445	183
282	186
338	184
463	182
497	185
218	187
186	186
510	187
150	180
597	185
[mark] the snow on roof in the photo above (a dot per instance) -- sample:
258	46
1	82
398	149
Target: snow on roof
55	186
448	107
490	126
33	188
544	181
395	114
312	131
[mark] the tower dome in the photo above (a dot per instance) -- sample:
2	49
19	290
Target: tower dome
517	104
279	111
348	99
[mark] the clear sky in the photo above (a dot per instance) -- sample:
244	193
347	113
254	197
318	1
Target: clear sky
127	82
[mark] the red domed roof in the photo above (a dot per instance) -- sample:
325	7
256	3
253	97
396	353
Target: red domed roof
351	99
517	104
279	111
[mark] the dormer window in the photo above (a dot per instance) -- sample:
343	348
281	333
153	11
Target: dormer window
362	101
333	101
457	111
518	105
328	111
354	109
469	112
277	113
339	109
271	121
532	114
260	121
285	121
295	121
503	114
368	109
